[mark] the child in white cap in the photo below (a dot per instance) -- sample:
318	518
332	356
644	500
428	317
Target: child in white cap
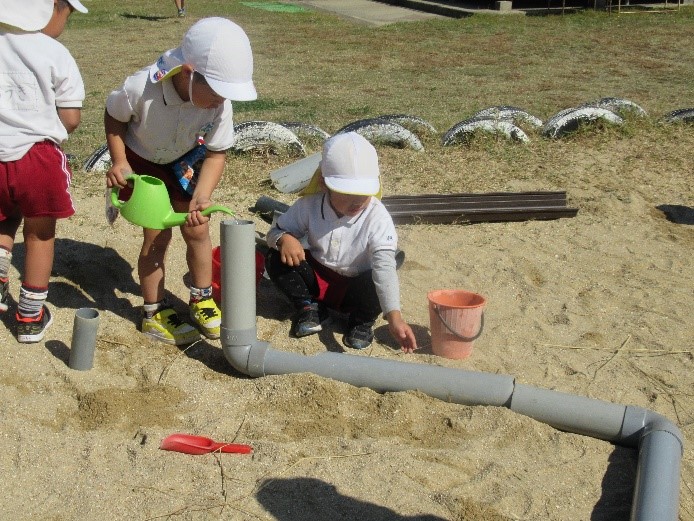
164	120
350	261
41	98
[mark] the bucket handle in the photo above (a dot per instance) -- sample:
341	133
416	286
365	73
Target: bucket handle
455	333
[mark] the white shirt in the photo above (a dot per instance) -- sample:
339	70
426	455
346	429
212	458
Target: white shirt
347	245
37	74
161	126
343	244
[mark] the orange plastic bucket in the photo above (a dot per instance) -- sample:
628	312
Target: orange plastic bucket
217	272
456	319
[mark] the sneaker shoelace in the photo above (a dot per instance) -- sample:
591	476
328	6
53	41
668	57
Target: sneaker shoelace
208	312
174	320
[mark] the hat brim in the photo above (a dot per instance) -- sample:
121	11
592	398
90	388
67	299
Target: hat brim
353	186
16	14
78	6
167	65
233	91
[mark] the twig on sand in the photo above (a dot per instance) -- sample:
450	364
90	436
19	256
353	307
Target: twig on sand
637	350
614	354
662	387
101	339
165	371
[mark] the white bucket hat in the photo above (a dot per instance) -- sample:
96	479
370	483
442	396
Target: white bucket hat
31	16
349	165
218	49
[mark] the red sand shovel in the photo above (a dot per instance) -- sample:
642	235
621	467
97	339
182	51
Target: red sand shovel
190	444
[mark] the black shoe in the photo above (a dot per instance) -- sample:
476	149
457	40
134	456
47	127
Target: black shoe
359	334
4	294
31	330
308	320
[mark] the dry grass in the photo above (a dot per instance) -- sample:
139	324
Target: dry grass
320	69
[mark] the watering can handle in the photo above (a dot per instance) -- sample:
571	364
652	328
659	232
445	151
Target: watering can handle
455	333
179	218
116	190
216	208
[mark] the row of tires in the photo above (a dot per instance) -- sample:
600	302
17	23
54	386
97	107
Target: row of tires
407	131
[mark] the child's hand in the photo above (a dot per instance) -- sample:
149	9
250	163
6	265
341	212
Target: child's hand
401	331
195	217
115	177
291	250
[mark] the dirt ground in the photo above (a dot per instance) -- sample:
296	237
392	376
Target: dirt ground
598	305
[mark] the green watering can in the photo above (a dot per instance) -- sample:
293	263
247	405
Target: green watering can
149	205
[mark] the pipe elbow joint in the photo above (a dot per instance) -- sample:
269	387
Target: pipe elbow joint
247	359
639	423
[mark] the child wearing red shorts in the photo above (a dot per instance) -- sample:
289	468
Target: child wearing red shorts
42	95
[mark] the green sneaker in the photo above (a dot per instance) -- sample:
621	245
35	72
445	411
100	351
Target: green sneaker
207	316
165	326
30	330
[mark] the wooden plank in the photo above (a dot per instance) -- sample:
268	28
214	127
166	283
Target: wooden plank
469	205
469	208
527	199
482	215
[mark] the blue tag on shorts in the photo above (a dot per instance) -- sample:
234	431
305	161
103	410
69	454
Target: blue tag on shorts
187	168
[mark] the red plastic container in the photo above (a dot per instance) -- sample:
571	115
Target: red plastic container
217	272
456	318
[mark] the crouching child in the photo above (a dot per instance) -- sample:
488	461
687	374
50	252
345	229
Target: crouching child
349	264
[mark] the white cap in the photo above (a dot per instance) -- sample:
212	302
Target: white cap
32	16
218	49
78	6
15	13
349	165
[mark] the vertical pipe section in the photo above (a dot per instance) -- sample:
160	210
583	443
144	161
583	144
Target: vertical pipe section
238	329
656	492
84	331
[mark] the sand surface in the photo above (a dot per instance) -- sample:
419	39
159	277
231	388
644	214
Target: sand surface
598	305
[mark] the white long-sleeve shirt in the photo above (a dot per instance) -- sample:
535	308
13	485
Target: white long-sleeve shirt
346	245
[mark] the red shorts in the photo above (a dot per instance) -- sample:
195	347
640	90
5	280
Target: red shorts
142	166
332	287
37	185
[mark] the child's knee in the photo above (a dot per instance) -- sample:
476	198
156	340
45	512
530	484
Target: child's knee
196	234
155	244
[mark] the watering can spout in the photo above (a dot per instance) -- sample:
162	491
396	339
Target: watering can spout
149	205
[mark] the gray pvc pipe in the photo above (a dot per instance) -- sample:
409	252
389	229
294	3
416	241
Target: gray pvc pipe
84	330
658	440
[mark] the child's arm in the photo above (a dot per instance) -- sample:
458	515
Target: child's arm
401	331
70	118
388	290
210	174
289	230
115	138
